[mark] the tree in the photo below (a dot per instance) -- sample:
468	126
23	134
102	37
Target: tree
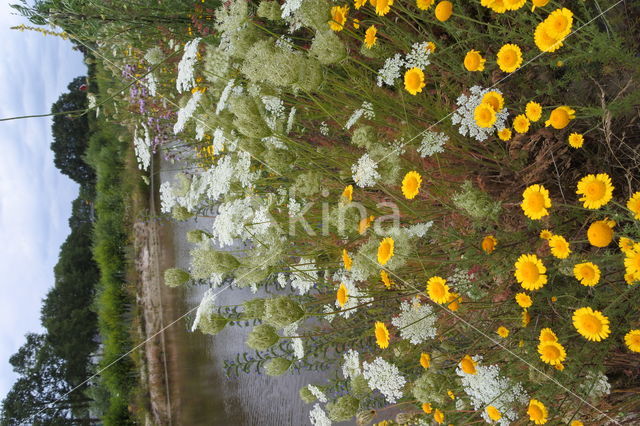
71	133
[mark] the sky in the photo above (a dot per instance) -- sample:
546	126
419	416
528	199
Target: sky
35	198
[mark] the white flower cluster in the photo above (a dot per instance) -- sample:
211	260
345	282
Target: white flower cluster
168	198
385	377
235	219
185	80
365	110
296	344
595	385
317	393
365	172
304	275
224	96
142	148
418	57
186	112
356	297
487	387
432	143
464	115
324	129
416	322
152	84
275	110
206	307
418	230
318	417
154	55
291	120
289	7
351	365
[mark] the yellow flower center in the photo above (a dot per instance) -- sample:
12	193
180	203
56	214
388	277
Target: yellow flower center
591	323
559	118
587	272
467	366
509	58
595	190
413	79
535	201
558	24
535	412
437	289
530	271
551	352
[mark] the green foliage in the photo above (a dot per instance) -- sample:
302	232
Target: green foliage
277	366
282	311
262	337
343	408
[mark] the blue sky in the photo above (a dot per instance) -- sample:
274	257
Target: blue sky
35	199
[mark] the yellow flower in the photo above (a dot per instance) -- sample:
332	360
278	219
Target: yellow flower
576	423
530	272
356	23
537	412
495	99
539	3
385	278
346	259
596	190
576	140
509	57
559	367
558	23
431	46
342	295
414	81
383	7
364	224
514	4
533	111
454	300
489	244
587	273
493	413
370	37
545	234
634	205
382	335
347	193
451	394
444	10
504	134
484	115
552	353
473	61
632	261
424	4
625	244
632	340
535	202
544	42
411	183
592	325
438	290
559	247
438	416
359	3
426	407
503	331
425	361
497	6
547	335
560	117
526	318
524	300
338	17
521	123
468	365
600	233
385	250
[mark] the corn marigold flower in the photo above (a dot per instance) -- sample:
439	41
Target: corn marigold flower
547	335
382	335
438	290
504	134
545	234
342	295
559	247
576	423
364	224
473	61
497	6
537	412
454	300
359	3
356	23
347	193
503	331
523	300
632	340
468	365
533	110
495	99
634	205
625	244
338	17
425	361
383	7
576	140
632	262
451	394
552	353
535	202
370	37
346	260
514	4
424	4
530	272
484	115
596	190
493	413
558	23
438	416
587	273
414	81
560	117
444	10
385	250
592	325
509	57
526	318
427	408
385	278
431	46
544	42
600	233
539	3
521	123
489	244
411	185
